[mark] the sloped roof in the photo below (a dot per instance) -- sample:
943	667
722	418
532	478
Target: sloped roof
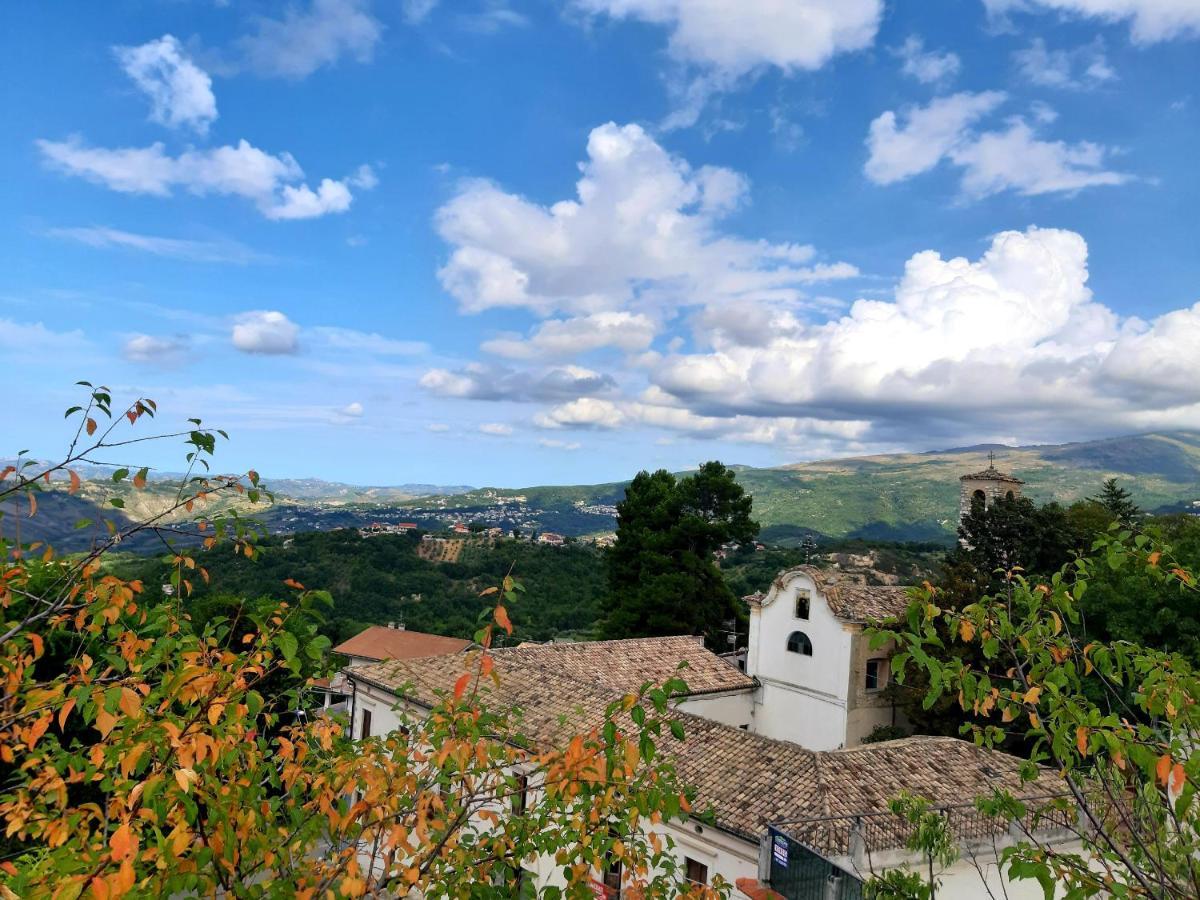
624	665
747	780
381	642
848	599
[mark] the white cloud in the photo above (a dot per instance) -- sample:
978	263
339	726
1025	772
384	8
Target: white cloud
556	444
417	11
1015	159
927	66
929	132
437	427
155	350
586	412
352	410
307	38
35	340
642	231
180	92
175	248
1077	69
1012	341
1150	20
735	38
349	340
495	383
496	429
564	338
241	171
266	332
991	162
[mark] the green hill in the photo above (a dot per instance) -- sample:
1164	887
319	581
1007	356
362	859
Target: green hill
914	496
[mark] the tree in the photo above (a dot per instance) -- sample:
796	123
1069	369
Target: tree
662	575
141	753
1118	502
1116	721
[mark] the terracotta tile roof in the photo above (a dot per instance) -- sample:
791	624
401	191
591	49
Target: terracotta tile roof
848	599
747	780
381	642
625	665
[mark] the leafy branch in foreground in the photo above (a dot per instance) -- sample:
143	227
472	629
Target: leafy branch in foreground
1118	722
142	754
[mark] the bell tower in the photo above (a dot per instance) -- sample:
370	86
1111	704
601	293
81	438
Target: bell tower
986	487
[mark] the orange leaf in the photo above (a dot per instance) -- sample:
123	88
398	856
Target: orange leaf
1031	695
138	481
460	686
131	703
32	504
184	777
1177	776
64	712
91	427
293	583
966	630
485	665
123	843
502	619
37	729
105	722
1163	769
39	646
1154	557
1081	739
75	482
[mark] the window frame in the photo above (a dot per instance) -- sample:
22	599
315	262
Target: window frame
802	648
364	728
880	677
803	596
688	863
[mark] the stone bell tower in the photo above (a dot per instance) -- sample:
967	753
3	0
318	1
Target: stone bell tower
987	486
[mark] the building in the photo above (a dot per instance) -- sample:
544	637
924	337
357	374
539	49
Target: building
393	641
810	823
986	487
551	539
819	683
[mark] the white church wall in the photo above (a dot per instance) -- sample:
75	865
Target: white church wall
734	708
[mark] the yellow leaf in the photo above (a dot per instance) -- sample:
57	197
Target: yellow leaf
185	777
131	703
1031	695
966	630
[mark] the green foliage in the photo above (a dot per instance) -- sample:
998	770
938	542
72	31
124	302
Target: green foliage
1118	502
381	579
662	576
1114	722
929	836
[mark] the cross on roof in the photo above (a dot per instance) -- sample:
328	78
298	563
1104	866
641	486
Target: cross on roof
992	458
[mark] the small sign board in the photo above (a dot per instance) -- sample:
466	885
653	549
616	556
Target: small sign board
779	850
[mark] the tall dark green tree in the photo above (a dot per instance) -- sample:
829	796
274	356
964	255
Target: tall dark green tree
1118	502
662	575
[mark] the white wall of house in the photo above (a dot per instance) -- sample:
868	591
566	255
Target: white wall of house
734	708
802	698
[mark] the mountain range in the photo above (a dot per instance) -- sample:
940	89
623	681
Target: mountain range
905	496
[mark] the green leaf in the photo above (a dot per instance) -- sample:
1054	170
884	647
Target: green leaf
288	645
120	475
117	502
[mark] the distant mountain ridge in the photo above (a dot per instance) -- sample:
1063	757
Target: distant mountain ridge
901	496
914	496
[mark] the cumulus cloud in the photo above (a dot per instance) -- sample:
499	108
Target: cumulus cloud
241	171
586	412
927	134
1077	69
1150	20
1013	340
180	92
309	37
175	248
927	66
735	38
1014	158
155	350
482	382
566	338
642	230
496	429
352	410
266	332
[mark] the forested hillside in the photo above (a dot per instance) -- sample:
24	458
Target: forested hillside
381	579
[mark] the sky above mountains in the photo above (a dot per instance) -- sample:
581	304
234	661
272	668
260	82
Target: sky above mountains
495	242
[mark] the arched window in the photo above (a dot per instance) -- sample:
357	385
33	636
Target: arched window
980	496
798	642
1010	496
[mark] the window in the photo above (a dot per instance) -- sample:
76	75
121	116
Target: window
697	872
798	642
979	497
876	675
366	724
1010	496
803	599
520	794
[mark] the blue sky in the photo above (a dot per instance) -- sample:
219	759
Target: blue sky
509	243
